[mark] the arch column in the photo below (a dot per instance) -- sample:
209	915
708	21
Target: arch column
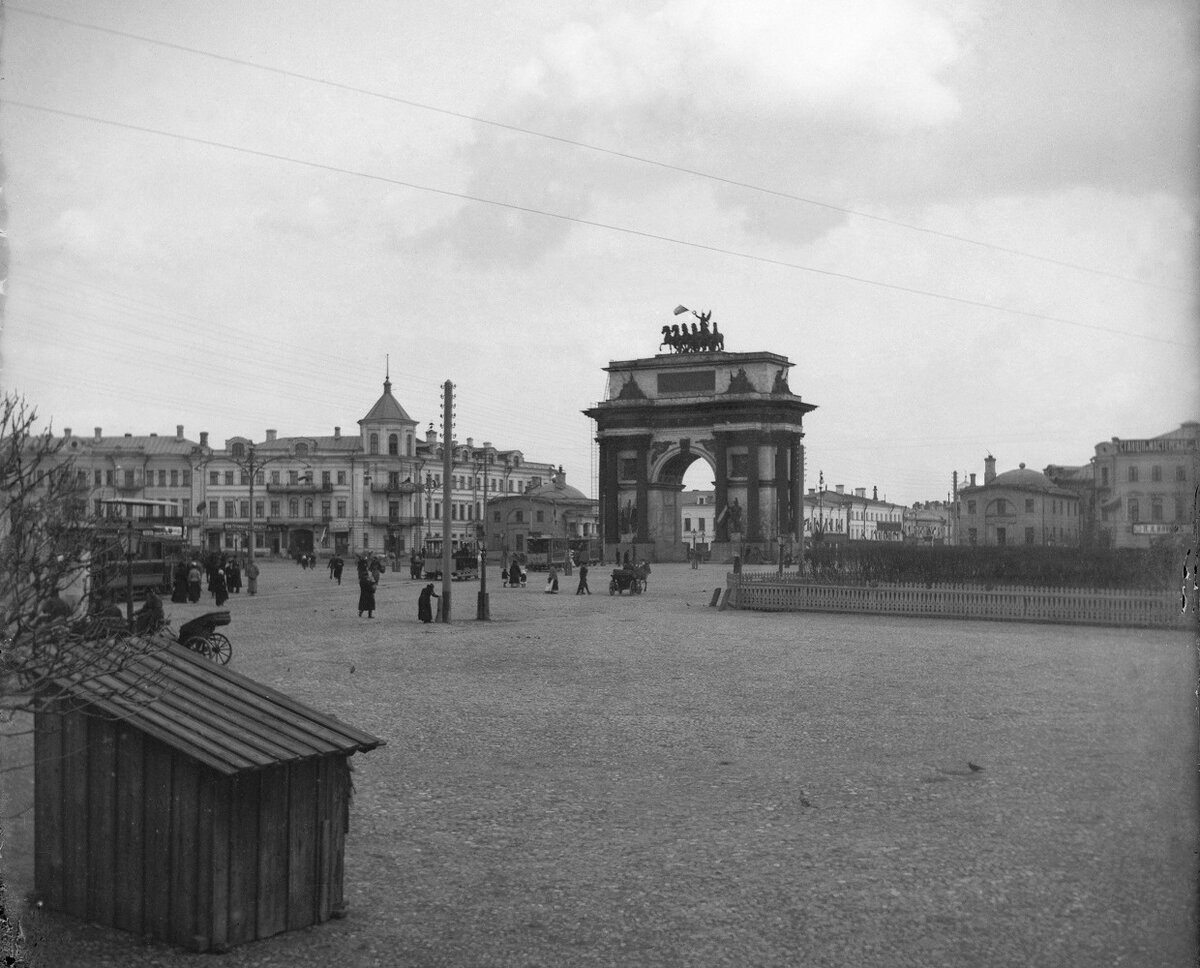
721	485
610	523
642	534
753	441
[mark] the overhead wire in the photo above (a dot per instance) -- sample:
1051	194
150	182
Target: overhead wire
576	143
638	233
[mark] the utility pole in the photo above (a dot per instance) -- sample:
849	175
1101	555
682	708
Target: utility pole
447	470
482	611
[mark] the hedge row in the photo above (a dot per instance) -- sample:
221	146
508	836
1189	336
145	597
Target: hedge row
1155	568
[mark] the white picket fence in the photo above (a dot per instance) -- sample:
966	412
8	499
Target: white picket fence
768	591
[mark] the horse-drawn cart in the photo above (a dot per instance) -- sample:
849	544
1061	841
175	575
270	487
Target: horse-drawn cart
632	580
201	635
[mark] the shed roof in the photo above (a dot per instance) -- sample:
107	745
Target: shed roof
216	716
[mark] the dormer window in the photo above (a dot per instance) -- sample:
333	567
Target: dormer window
302	450
238	451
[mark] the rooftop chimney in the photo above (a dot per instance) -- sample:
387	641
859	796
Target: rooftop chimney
66	431
337	433
178	433
989	469
271	435
972	480
840	488
875	493
98	435
203	438
431	435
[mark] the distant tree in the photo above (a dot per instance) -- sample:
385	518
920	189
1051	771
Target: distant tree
47	545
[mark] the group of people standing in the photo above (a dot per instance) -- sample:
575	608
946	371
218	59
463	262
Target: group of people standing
222	575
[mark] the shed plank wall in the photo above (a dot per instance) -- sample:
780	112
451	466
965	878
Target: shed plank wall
185	791
204	858
48	809
222	796
157	850
273	852
130	826
243	858
302	844
102	833
75	813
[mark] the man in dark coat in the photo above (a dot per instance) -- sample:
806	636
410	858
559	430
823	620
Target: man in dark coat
219	588
366	594
514	574
179	589
583	585
425	603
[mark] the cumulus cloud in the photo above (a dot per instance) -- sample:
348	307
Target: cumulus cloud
879	63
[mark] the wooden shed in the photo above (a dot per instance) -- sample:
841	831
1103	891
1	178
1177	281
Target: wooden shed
190	804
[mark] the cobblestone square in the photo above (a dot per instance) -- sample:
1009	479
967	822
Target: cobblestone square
646	780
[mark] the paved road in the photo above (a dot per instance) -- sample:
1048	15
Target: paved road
646	781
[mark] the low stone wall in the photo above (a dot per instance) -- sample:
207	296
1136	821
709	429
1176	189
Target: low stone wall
1076	606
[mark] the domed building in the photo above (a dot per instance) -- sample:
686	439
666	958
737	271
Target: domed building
1017	507
543	523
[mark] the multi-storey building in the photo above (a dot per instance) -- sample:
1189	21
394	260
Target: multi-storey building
377	491
547	517
1017	507
697	519
927	523
1146	487
827	514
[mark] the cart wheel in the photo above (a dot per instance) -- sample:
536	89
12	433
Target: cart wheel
221	648
200	645
635	588
612	587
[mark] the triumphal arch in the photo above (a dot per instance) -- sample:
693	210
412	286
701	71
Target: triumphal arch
736	412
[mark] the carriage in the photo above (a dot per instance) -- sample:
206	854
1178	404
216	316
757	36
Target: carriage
201	635
632	580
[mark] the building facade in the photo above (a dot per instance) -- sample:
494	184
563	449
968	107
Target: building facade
697	519
1017	507
927	523
549	518
379	491
1146	487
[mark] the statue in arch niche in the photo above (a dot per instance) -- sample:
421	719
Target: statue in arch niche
628	518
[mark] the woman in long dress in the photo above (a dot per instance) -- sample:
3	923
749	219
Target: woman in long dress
425	603
366	594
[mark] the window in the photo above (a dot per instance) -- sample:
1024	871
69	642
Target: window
1133	509
274	477
1178	508
1156	508
214	477
162	478
1029	536
275	509
1133	473
366	540
410	445
374	444
1001	506
259	477
293	477
393	479
1104	477
293	508
244	511
229	477
1180	472
437	510
1156	473
366	509
341	478
394	445
519	516
325	478
541	517
341	509
971	510
687	524
301	450
393	511
244	478
308	507
1029	510
98	477
186	507
229	511
212	509
238	451
260	509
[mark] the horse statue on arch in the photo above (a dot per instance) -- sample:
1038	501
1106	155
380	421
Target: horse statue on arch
700	339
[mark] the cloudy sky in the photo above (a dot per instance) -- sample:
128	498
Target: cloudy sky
970	225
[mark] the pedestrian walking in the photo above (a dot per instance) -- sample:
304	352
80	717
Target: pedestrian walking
234	576
193	583
336	564
514	574
220	587
583	585
252	578
179	587
366	594
552	581
425	603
